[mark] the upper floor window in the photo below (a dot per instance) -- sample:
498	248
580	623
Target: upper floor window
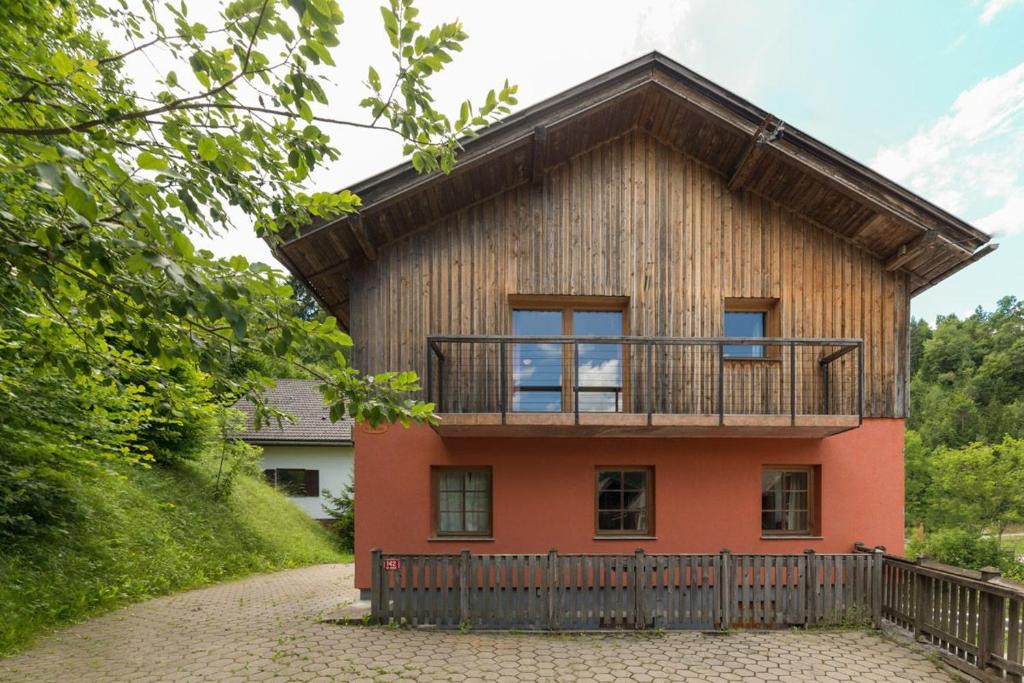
750	318
542	372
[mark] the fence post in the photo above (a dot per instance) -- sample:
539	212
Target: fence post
552	580
810	579
921	596
725	585
464	579
990	621
877	587
375	585
639	590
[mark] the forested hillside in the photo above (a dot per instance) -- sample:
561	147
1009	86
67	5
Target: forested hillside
965	437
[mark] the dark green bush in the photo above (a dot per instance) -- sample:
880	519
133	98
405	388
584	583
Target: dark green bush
342	509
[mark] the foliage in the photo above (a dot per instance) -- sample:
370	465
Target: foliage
979	487
968	377
965	446
180	419
119	338
102	185
960	548
234	456
144	532
342	509
967	419
56	428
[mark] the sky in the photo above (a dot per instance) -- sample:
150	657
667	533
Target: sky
927	92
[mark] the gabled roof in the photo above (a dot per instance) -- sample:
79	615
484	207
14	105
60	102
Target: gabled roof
753	149
301	399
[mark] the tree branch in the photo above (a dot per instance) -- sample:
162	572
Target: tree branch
177	104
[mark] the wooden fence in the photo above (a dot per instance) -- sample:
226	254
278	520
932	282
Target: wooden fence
637	590
975	617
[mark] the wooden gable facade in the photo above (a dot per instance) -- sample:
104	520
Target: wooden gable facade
654	186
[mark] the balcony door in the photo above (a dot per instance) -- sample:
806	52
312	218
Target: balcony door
543	372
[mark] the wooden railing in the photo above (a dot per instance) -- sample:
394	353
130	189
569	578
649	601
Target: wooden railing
636	590
976	618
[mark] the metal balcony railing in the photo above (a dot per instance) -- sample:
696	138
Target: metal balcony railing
700	376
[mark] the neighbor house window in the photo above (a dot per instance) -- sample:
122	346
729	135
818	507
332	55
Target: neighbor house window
542	372
788	501
624	505
750	318
294	482
462	501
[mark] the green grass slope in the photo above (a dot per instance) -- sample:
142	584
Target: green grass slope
147	533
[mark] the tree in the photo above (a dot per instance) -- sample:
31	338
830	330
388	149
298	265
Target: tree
979	487
118	337
968	377
101	185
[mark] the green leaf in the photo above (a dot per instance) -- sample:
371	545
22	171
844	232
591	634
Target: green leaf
81	202
374	78
208	149
62	63
52	175
390	25
182	244
151	162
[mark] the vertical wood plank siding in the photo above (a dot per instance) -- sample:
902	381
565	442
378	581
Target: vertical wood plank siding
631	217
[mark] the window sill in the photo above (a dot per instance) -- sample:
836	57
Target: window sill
791	537
624	537
460	539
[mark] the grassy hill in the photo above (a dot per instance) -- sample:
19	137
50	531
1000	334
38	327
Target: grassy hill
147	532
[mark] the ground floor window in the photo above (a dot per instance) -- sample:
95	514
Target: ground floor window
294	482
624	501
462	501
788	501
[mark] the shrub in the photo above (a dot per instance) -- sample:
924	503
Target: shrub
960	548
342	509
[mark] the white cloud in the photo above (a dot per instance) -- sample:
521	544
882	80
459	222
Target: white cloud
971	160
1007	219
994	7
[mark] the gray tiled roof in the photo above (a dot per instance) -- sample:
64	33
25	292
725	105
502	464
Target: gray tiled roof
302	400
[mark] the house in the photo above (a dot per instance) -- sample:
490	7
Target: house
308	455
651	315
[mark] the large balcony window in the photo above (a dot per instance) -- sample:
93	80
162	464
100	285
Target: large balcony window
546	376
537	368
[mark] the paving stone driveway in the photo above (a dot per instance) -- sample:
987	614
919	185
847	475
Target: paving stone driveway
266	628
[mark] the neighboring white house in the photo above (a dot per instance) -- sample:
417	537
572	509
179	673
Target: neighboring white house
308	455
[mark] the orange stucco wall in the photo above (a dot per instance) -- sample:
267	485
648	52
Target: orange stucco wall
707	491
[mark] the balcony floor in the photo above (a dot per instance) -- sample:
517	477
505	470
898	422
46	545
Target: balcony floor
636	425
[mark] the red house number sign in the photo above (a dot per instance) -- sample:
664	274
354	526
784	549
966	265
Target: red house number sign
392	564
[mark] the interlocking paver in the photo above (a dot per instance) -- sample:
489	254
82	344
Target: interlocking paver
267	628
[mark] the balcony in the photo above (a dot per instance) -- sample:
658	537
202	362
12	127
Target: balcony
645	386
